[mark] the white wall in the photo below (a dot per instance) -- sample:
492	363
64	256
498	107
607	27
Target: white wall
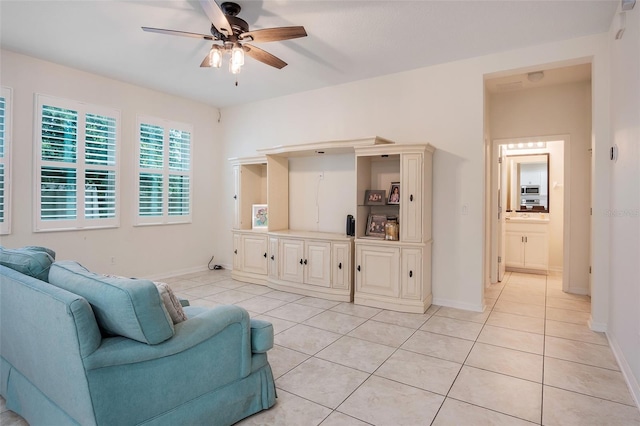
138	251
623	212
442	105
557	110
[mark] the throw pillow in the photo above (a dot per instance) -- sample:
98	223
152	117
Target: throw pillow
35	263
171	302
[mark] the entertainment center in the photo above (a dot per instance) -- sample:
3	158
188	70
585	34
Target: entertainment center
390	271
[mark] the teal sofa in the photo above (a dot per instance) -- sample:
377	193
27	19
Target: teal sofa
84	349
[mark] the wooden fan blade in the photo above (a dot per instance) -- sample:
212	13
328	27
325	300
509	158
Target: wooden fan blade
264	57
216	16
179	33
274	34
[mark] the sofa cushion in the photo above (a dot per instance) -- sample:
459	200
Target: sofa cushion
27	260
123	306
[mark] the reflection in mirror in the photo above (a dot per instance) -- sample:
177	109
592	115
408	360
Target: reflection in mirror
528	183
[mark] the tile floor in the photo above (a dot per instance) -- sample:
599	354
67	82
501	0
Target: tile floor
528	359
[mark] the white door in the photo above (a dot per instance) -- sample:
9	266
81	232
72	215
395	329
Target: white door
237	252
411	273
502	203
411	198
254	254
274	257
341	265
514	255
536	251
317	263
377	270
291	260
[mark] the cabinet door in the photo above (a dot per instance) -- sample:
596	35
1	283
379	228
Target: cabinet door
341	265
411	274
274	257
237	252
254	254
317	263
411	198
514	249
536	251
377	270
291	260
236	197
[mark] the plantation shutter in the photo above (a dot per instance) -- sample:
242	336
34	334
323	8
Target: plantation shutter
5	123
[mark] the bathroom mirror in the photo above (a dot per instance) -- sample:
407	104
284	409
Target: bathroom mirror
528	183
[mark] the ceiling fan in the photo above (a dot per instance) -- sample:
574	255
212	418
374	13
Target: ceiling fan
234	34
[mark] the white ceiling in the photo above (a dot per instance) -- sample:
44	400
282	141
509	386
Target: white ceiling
348	40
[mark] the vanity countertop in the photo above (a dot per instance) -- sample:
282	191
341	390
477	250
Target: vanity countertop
534	218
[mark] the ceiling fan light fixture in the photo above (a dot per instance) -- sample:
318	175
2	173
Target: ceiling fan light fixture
234	69
215	56
237	55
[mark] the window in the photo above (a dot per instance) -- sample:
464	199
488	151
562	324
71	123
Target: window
5	161
164	171
76	165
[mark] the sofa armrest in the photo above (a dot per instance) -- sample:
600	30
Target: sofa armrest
261	336
116	351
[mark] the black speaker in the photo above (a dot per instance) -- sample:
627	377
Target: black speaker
351	225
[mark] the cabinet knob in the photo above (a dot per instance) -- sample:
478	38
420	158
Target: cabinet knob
410	274
301	261
358	268
411	197
235	197
265	255
305	261
340	265
273	257
235	251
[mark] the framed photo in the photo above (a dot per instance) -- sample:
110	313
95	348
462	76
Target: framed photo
375	225
260	217
374	197
394	193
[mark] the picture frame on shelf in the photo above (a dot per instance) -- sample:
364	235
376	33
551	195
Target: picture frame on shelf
375	225
259	216
394	193
375	197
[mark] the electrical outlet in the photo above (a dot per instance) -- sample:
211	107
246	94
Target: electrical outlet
321	175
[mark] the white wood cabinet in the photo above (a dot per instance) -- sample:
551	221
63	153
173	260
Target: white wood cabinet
527	246
314	264
395	275
274	258
250	256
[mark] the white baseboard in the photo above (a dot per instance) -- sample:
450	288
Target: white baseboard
455	304
627	373
597	326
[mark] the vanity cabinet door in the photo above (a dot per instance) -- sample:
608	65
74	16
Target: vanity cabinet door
292	260
514	249
377	270
341	265
411	198
274	257
317	263
254	253
237	252
536	254
236	197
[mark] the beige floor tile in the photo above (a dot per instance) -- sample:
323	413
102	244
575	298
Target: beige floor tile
230	283
402	319
384	402
522	297
283	295
574	332
432	309
588	380
489	303
317	302
522	278
523	365
279	324
479	317
230	297
516	322
283	360
573	305
564	315
535	311
508	395
179	284
289	410
356	353
460	413
305	339
260	304
559	294
439	346
564	408
335	321
422	371
357	310
203	303
295	312
512	339
255	289
382	333
338	419
581	352
322	382
530	289
201	290
452	327
492	293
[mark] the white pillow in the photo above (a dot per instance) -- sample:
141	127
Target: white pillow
171	303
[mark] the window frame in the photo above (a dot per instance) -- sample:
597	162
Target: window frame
81	221
5	160
165	218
